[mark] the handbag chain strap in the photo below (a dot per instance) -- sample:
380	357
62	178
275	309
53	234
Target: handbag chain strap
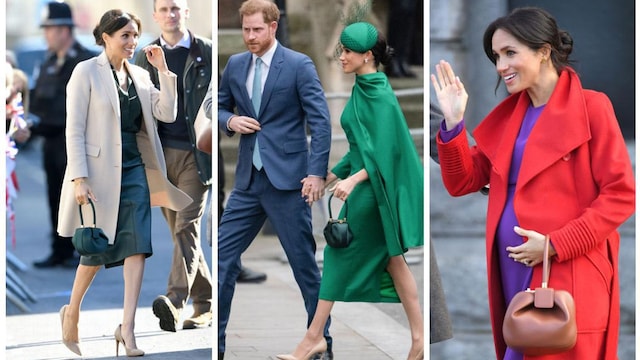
93	208
345	208
546	263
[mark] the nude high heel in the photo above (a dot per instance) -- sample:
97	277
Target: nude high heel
71	345
319	347
119	339
420	355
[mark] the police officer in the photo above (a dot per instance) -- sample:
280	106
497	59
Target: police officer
48	101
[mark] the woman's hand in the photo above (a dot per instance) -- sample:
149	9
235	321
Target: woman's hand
531	252
343	188
155	56
451	94
83	191
331	177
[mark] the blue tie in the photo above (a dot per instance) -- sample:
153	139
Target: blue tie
256	97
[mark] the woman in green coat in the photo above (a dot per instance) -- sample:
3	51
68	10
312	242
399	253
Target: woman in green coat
381	181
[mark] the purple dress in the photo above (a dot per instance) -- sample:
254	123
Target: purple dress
514	275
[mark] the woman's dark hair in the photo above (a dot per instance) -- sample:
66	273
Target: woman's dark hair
112	21
535	28
382	53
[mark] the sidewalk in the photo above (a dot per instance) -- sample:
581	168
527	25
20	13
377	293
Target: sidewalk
269	318
36	334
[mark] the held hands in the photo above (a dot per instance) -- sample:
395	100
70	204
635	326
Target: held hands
531	252
312	188
155	56
451	94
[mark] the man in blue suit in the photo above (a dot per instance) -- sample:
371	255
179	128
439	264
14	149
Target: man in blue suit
276	95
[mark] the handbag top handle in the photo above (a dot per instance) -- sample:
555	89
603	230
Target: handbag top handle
329	205
93	208
546	263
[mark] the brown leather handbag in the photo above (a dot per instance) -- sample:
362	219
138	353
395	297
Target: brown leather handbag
541	321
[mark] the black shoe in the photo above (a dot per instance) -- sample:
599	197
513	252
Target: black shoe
249	276
164	310
53	261
327	355
220	356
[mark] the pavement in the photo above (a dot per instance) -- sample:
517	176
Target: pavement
35	334
267	319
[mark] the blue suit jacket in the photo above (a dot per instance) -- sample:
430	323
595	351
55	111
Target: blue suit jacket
292	100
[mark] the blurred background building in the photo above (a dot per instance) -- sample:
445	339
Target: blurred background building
313	28
603	48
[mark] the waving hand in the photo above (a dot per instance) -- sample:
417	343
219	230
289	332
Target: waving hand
451	94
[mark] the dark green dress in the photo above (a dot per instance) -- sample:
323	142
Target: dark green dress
133	230
385	213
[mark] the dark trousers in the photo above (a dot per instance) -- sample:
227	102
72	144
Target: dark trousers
54	159
221	183
401	27
243	217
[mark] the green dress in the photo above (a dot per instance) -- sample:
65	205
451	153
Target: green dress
133	229
386	212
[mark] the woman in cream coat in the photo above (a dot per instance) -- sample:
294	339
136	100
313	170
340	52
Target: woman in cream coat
112	146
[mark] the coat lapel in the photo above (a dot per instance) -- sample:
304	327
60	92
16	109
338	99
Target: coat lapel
245	65
106	75
272	77
562	126
552	138
496	135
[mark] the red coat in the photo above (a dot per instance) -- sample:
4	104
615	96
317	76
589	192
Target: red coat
576	184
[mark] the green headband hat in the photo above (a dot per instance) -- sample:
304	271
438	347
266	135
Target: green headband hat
359	37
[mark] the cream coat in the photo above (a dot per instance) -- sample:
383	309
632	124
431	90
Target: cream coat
94	146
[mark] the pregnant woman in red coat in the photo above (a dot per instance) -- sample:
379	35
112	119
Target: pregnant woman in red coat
557	165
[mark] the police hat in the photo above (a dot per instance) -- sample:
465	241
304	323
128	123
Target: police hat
56	14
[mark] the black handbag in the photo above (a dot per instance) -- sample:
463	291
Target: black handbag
89	240
336	232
